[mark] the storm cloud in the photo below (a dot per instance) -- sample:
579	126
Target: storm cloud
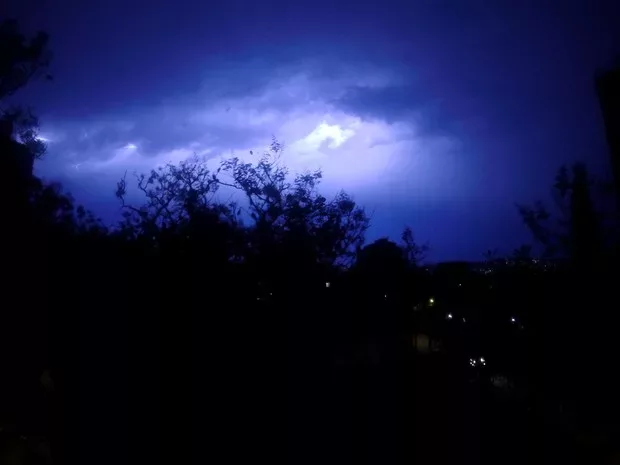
441	115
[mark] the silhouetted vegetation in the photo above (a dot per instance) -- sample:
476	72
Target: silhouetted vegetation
264	324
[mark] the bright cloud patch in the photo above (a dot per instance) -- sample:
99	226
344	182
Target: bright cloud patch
325	134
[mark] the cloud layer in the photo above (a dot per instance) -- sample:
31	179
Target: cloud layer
308	109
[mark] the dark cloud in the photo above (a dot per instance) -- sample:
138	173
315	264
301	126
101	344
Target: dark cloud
405	102
390	103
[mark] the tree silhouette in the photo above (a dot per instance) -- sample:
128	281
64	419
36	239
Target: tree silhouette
55	210
381	257
574	232
414	252
523	254
43	229
290	225
290	213
180	217
24	127
173	193
21	59
382	268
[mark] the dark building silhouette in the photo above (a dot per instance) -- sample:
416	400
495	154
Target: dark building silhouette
608	89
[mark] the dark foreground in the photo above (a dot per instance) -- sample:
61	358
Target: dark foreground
253	394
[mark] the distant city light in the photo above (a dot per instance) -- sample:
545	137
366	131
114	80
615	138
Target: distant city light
464	320
472	362
460	284
482	360
328	284
449	316
513	320
431	301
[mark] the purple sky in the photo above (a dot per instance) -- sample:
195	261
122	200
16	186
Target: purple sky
437	114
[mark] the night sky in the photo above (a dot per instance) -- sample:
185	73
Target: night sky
437	114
